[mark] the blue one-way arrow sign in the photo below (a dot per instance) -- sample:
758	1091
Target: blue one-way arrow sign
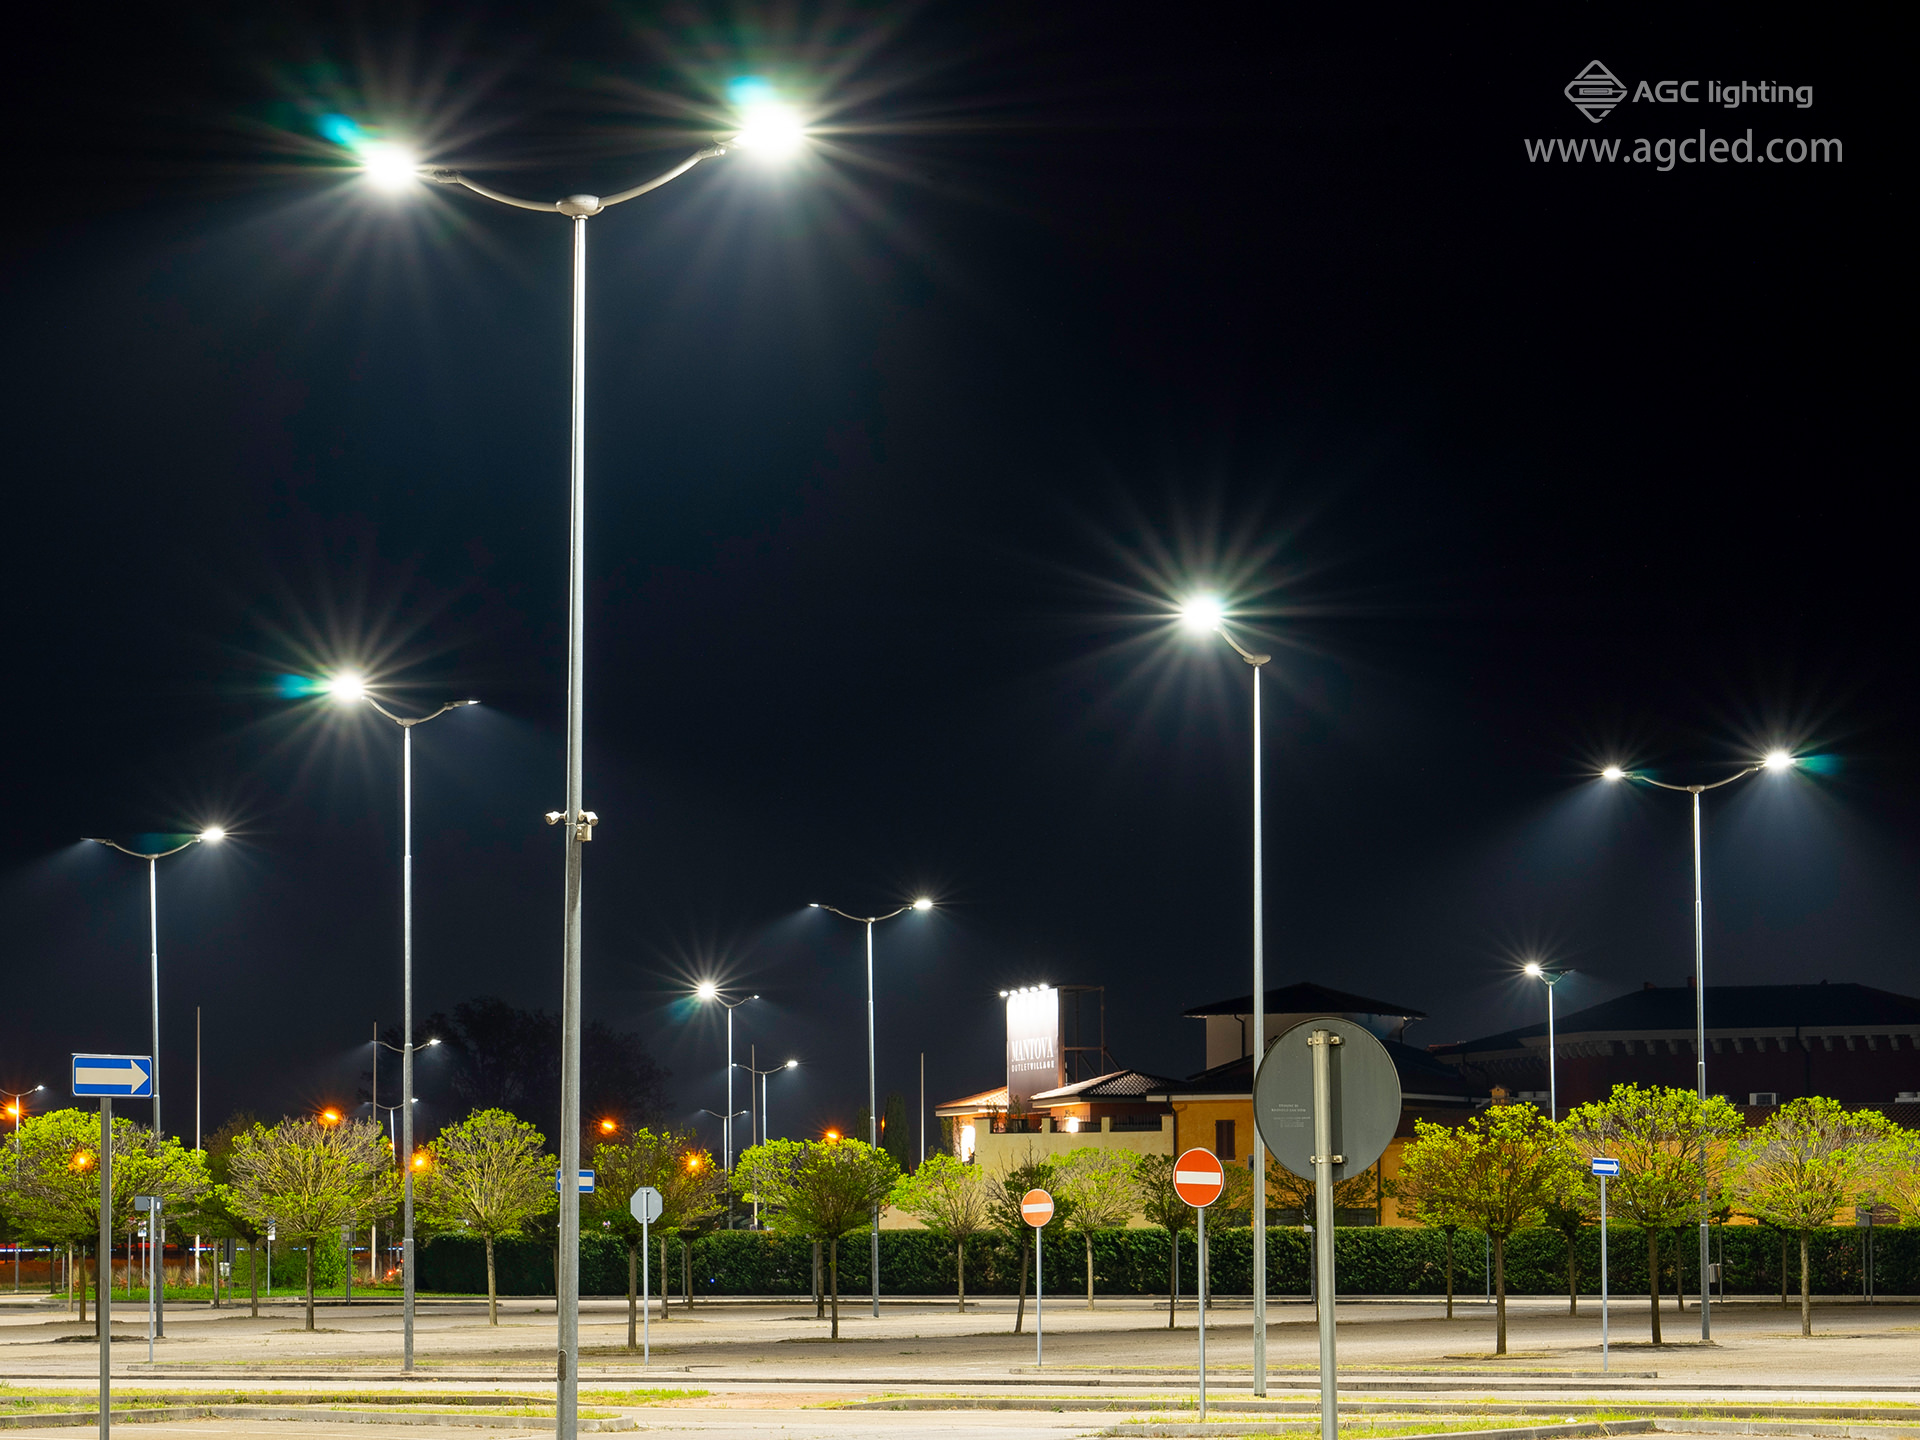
1604	1166
121	1076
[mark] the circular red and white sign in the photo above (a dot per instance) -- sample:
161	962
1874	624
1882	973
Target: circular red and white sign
1036	1208
1198	1178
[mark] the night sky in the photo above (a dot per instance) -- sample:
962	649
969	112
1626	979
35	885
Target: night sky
899	457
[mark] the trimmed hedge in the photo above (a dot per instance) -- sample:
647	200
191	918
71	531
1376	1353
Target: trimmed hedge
1369	1261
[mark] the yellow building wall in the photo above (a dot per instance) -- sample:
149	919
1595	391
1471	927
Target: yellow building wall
1193	1127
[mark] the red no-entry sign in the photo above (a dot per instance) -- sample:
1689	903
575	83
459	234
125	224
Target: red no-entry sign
1036	1208
1198	1178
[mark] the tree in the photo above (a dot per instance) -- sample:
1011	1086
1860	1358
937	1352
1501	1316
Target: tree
501	1057
1810	1158
1288	1191
952	1200
1031	1173
691	1187
217	1215
1160	1204
1897	1183
1569	1221
1670	1145
820	1189
311	1179
55	1194
1099	1189
896	1136
1498	1172
488	1175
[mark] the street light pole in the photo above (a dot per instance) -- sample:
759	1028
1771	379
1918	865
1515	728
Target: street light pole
873	1108
1775	760
348	689
709	991
1549	978
765	1132
153	858
1204	613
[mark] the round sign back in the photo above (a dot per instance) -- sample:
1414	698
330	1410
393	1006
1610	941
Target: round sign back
1036	1208
1365	1097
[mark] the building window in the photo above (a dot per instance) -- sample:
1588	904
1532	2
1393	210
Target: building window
1223	1145
968	1139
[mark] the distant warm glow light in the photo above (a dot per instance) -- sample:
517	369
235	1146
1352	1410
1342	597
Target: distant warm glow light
693	1162
923	903
421	1160
329	1117
1779	760
770	128
347	688
388	166
213	834
1613	772
832	1135
1203	613
607	1127
706	990
82	1160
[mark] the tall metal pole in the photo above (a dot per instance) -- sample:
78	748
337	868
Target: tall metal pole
406	1048
726	1125
873	1125
567	1282
1553	1080
1259	1052
1323	1042
153	934
196	1126
103	1265
1700	1060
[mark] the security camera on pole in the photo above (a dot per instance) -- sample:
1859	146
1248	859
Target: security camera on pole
1354	1110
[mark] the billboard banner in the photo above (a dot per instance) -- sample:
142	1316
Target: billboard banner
1034	1057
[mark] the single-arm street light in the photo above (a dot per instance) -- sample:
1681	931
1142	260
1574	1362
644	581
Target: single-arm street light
1204	614
16	1103
760	1122
708	991
1775	760
767	128
1549	978
349	689
213	835
873	1108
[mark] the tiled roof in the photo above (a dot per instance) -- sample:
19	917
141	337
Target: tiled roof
1308	998
995	1099
1114	1085
1420	1074
1729	1008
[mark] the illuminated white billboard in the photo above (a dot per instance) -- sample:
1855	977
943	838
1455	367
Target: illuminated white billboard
1034	1060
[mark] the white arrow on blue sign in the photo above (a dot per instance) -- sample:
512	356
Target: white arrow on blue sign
586	1182
120	1076
1604	1166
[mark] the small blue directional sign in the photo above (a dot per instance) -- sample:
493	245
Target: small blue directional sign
586	1182
1604	1166
120	1076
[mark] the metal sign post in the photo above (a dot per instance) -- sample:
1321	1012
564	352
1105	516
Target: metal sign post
1603	1168
148	1204
103	1312
1036	1208
645	1205
1326	1102
1199	1179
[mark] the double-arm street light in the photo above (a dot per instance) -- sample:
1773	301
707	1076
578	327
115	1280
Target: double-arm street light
1777	760
407	1102
770	128
1549	978
1204	614
348	690
873	1108
16	1103
708	991
759	1122
213	835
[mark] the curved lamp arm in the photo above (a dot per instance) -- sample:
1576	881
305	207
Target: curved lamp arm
141	854
1252	657
1693	789
865	919
418	719
575	204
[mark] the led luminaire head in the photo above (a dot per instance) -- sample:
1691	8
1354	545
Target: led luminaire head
1613	772
388	166
923	903
706	990
770	128
212	835
347	688
1533	968
1203	613
1778	760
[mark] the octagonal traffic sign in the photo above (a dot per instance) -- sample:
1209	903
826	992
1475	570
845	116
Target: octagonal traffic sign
1036	1208
1198	1178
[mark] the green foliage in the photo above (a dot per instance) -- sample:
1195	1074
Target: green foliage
692	1188
489	1176
290	1264
1810	1159
1394	1260
1666	1140
952	1200
55	1195
817	1189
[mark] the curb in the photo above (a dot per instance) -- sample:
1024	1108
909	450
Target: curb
161	1414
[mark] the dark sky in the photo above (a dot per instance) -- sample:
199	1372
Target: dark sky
897	458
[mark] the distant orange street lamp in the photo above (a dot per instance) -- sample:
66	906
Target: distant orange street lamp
607	1127
422	1160
832	1135
329	1117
